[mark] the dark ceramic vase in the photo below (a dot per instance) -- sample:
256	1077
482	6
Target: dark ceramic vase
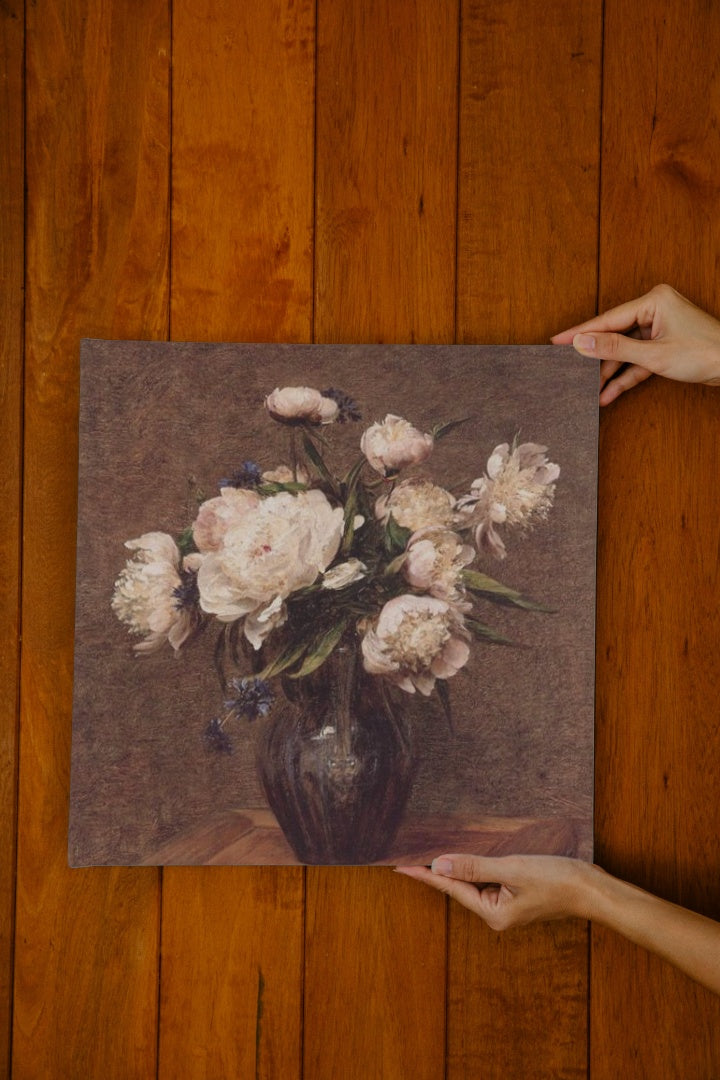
337	763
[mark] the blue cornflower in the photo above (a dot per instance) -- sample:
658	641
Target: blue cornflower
249	475
250	698
347	406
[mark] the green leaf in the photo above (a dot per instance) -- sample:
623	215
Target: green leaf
186	542
315	458
486	632
349	522
285	659
272	487
395	565
320	650
443	693
351	478
439	431
498	593
396	537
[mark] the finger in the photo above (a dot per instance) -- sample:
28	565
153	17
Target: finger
622	317
608	368
462	891
621	349
479	869
628	378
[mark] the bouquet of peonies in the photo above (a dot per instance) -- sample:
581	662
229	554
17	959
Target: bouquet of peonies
296	559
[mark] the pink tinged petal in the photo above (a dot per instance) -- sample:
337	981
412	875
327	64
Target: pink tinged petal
259	624
487	539
456	652
425	682
375	660
497	460
153	546
530	454
180	632
467	554
547	474
150	644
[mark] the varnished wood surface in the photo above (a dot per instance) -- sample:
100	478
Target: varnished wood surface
354	171
12	273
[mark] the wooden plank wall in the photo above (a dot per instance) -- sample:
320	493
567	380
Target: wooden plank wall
362	171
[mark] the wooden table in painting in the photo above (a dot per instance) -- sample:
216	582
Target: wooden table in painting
254	837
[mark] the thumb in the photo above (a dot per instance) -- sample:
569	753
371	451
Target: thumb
477	868
620	349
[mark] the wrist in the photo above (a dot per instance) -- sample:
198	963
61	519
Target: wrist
596	893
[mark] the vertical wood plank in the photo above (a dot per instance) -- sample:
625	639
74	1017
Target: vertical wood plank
97	180
243	137
12	20
658	756
385	270
529	157
527	249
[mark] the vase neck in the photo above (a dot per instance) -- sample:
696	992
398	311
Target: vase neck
342	687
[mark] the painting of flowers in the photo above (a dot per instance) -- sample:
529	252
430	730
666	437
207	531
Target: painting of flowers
318	566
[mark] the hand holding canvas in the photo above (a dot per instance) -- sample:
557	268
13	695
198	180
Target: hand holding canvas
518	889
659	333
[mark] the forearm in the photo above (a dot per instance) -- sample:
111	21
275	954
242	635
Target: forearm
685	939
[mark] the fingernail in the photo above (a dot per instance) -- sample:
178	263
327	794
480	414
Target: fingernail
585	342
441	866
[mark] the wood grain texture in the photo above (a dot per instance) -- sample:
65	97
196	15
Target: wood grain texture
12	272
527	242
384	271
243	143
242	228
529	159
97	180
658	754
386	171
231	973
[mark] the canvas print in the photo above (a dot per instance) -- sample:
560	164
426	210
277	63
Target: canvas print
335	604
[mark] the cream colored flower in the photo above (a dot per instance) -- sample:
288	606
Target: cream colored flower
154	594
280	546
416	640
293	404
344	574
283	474
394	444
218	515
435	559
261	622
416	504
517	490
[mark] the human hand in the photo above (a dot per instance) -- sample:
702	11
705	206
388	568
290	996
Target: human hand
512	890
659	333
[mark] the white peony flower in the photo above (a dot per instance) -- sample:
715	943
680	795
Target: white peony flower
344	574
295	404
394	444
518	489
280	546
416	640
435	559
218	515
154	594
416	504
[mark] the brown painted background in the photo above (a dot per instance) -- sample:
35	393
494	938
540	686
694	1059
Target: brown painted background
359	171
160	422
